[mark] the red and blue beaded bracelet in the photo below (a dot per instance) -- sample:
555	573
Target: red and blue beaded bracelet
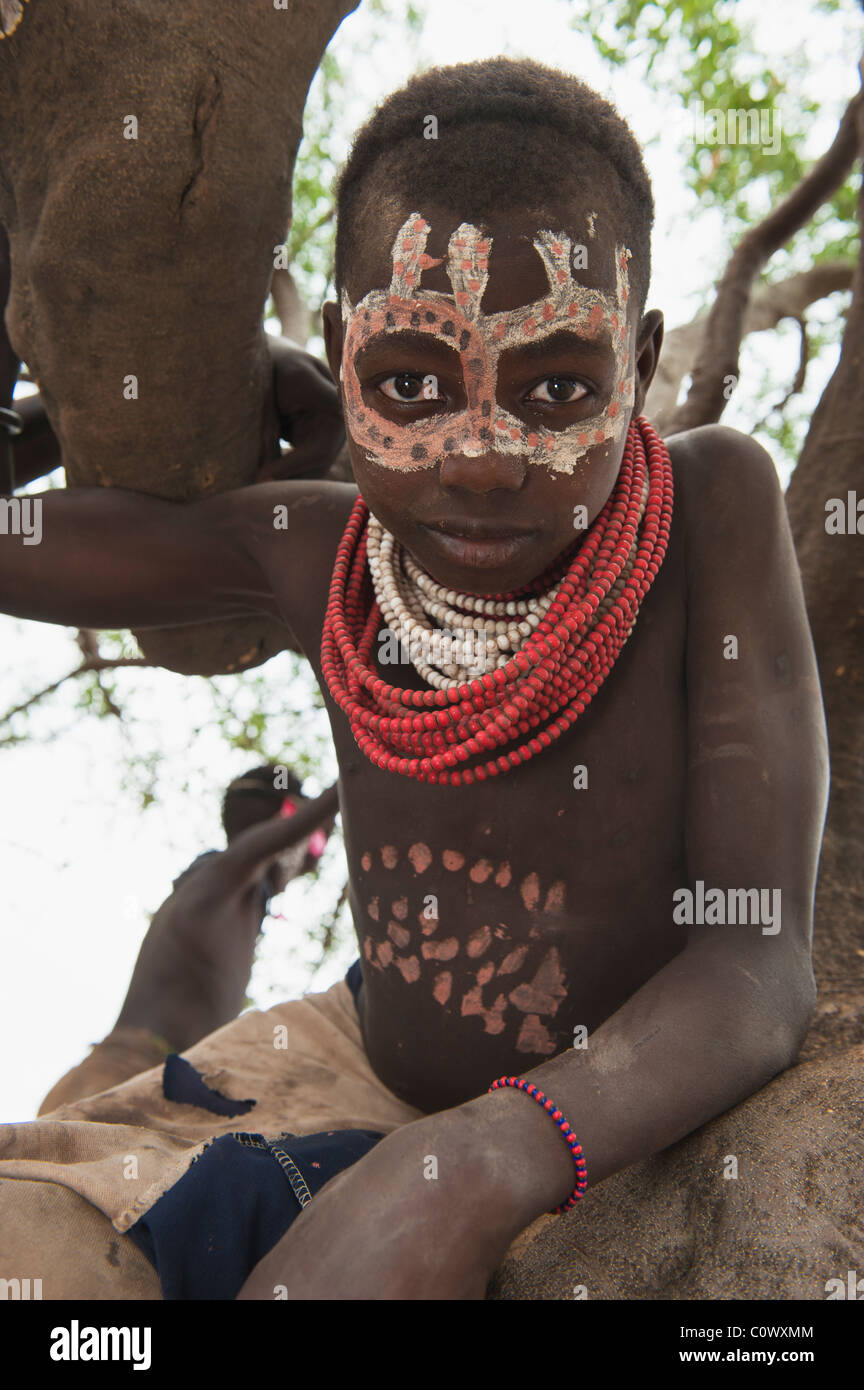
520	1084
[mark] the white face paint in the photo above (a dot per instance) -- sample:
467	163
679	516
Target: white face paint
483	426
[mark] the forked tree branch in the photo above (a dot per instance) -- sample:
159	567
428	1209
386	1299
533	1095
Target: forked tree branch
768	306
724	325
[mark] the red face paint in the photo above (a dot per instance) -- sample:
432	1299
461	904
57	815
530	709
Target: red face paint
479	339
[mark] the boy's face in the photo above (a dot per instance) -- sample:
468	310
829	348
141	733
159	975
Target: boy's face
488	382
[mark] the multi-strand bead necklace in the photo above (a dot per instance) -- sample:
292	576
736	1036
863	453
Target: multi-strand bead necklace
474	635
523	664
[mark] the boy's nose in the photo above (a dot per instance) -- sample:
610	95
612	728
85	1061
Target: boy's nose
484	473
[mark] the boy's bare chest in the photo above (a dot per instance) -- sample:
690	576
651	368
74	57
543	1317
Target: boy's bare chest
493	919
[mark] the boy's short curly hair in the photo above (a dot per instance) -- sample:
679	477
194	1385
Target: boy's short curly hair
511	134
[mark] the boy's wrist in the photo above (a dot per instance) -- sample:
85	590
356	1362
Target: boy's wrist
527	1167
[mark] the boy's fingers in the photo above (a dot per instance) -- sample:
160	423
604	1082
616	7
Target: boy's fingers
316	438
313	459
249	854
322	369
309	415
303	384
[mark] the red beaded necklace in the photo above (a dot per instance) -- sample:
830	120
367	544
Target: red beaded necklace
551	680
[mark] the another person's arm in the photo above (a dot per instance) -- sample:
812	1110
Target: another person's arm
110	558
193	967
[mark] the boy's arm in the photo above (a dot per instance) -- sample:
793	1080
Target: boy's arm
731	1010
716	1023
110	558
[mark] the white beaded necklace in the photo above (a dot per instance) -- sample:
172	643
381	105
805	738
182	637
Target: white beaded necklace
473	635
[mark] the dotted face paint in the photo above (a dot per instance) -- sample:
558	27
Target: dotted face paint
482	426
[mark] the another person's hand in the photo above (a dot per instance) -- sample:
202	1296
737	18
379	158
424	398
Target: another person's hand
193	967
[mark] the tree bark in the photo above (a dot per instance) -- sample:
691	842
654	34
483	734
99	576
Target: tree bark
832	568
151	257
294	317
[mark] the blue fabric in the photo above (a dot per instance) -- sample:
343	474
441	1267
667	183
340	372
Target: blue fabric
183	1084
205	1235
354	978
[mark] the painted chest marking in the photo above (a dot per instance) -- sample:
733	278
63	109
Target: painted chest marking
486	965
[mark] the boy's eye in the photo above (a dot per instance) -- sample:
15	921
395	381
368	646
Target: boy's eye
408	387
558	390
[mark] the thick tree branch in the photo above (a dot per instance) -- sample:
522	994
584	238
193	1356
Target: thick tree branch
724	325
831	466
127	253
800	375
295	317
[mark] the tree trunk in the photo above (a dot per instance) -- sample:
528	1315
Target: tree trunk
146	158
832	567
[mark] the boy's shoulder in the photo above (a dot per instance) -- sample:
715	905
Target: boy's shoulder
740	566
715	462
727	492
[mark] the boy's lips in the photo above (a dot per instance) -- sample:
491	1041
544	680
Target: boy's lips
479	530
479	545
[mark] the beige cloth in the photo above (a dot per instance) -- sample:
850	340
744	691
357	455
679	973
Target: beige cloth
74	1178
673	1227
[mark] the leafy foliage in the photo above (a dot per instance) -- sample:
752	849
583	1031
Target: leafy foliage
703	57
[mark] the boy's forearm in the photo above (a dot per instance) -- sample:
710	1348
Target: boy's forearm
687	1046
111	558
700	1036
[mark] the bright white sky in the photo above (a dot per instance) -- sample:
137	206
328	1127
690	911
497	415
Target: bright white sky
81	865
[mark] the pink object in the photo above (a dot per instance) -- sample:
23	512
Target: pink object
317	840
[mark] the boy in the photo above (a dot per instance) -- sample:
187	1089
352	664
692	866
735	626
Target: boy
493	358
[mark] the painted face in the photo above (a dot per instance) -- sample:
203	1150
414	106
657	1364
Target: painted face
482	426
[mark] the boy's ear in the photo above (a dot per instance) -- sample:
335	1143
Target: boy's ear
332	320
649	341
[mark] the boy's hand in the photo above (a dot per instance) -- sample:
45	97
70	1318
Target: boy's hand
305	410
386	1228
